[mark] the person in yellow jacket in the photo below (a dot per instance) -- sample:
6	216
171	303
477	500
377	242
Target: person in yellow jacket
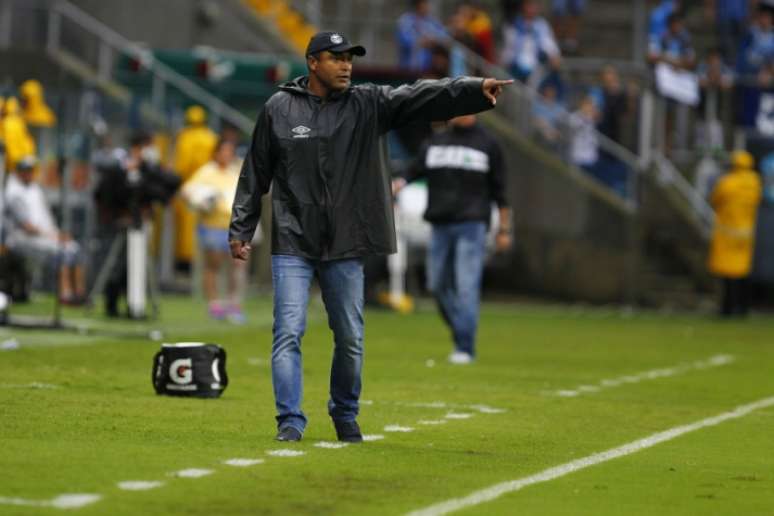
211	191
15	135
194	147
735	198
36	111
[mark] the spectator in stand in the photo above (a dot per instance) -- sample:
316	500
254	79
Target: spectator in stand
659	18
529	42
36	111
211	191
611	102
567	17
478	25
673	47
548	114
33	233
735	198
756	52
418	30
584	141
715	79
730	18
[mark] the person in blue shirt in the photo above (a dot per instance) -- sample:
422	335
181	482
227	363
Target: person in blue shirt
529	42
659	18
418	31
731	24
673	46
756	51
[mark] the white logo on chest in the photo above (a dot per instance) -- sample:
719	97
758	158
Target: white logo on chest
300	132
457	156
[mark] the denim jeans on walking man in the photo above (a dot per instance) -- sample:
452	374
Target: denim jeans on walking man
455	262
341	283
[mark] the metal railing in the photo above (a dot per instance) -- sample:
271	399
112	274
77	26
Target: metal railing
66	29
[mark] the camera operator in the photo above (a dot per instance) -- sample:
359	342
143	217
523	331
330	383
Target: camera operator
129	184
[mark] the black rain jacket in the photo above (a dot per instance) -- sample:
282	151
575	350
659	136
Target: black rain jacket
331	195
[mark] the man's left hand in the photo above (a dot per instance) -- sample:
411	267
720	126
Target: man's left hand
503	242
493	87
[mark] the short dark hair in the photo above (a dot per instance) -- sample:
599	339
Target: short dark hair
140	138
676	16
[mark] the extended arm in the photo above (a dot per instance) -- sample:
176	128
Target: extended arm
434	100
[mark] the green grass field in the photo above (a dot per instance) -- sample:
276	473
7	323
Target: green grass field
553	384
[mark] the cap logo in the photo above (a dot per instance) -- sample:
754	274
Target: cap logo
336	39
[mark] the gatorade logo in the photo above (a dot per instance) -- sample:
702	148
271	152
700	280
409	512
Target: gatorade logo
180	371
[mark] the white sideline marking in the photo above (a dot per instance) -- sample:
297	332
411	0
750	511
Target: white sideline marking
458	415
33	385
431	422
653	374
330	445
243	463
486	409
192	473
366	402
255	361
139	485
374	437
497	490
398	428
65	501
285	453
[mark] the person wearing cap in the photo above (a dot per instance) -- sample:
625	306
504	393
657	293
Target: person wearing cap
735	198
194	148
317	144
15	134
33	233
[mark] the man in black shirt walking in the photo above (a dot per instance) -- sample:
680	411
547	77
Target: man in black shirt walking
317	142
465	176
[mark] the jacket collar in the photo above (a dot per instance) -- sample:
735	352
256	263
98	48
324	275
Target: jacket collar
299	87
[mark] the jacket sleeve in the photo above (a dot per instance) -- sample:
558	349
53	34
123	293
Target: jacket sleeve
497	176
254	181
430	100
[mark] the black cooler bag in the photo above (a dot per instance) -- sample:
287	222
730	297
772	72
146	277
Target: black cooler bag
190	369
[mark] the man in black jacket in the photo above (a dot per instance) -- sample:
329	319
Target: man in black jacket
318	142
465	177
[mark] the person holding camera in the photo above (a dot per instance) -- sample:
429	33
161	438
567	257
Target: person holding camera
129	184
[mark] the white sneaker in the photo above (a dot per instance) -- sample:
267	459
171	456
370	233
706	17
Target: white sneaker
460	358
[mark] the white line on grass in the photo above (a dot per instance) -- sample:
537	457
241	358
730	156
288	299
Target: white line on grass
497	490
373	437
33	385
653	374
243	463
285	453
65	501
398	428
430	422
139	485
192	473
458	415
330	445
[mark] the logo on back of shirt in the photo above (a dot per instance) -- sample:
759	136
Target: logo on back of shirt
457	156
300	132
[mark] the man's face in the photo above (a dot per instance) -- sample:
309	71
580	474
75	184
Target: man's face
333	70
26	175
423	8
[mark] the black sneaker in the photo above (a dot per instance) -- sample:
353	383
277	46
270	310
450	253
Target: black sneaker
348	431
288	433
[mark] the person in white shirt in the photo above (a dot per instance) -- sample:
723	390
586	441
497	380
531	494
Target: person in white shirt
32	231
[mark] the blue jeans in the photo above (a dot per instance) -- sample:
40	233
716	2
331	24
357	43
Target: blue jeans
454	267
341	283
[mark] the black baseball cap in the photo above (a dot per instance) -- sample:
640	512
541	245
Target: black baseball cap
333	42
